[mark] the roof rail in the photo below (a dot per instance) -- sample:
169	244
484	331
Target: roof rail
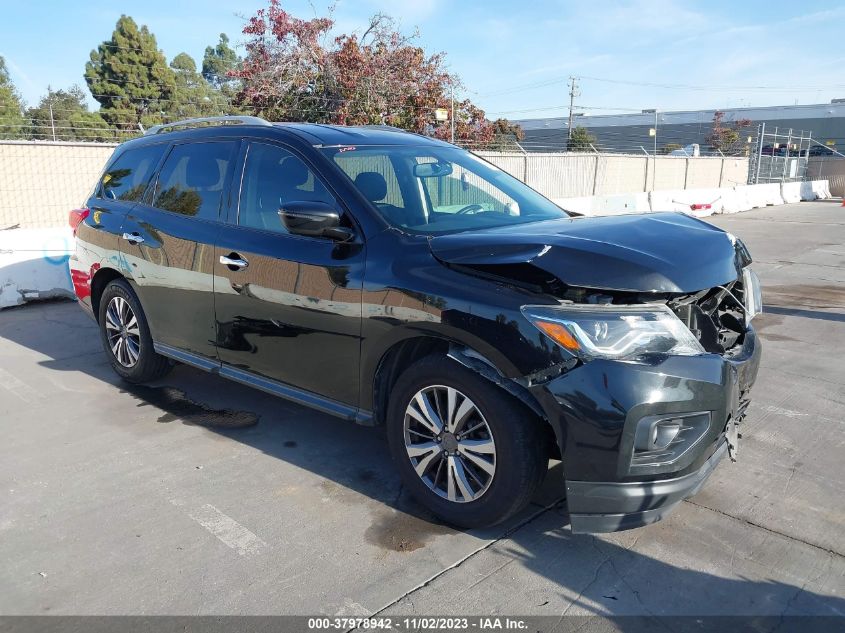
236	119
389	128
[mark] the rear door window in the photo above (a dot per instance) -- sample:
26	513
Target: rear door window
192	178
127	178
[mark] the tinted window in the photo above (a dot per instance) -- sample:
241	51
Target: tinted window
192	177
130	174
272	177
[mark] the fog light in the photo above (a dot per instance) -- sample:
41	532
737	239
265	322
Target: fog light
662	439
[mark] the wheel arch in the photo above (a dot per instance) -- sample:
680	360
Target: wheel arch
398	356
98	284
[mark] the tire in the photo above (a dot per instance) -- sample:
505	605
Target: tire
518	460
129	349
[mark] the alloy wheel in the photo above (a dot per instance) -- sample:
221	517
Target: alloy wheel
449	443
122	331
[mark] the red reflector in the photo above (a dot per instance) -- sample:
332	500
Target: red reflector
700	207
76	217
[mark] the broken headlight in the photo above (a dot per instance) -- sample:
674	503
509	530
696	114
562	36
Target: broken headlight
753	294
614	332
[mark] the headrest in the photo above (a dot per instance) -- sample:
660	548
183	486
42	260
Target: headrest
372	185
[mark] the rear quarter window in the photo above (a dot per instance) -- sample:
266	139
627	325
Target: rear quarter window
128	176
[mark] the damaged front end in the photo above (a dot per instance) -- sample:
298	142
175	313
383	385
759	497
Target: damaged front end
654	362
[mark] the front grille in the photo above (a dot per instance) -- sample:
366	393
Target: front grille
716	316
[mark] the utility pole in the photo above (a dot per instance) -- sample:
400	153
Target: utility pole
452	115
52	121
573	92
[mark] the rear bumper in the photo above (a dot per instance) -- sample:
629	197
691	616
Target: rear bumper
612	506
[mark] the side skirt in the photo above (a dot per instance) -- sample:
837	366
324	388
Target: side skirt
288	392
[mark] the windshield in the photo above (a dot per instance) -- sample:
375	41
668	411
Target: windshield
434	190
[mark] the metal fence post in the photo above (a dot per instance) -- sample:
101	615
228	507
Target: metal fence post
786	158
596	173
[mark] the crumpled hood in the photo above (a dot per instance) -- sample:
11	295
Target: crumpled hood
658	252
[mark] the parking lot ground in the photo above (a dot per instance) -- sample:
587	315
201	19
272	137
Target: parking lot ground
199	496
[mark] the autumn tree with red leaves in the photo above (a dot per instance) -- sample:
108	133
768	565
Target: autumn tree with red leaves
727	138
295	71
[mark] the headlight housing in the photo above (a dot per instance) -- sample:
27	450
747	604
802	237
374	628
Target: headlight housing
614	332
753	294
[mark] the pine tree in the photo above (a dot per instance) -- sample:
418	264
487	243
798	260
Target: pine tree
217	62
194	97
12	122
130	77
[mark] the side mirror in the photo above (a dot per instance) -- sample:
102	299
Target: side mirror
314	219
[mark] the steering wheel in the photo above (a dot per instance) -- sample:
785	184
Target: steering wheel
470	208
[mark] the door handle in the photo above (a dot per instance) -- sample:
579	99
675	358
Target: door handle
133	238
233	261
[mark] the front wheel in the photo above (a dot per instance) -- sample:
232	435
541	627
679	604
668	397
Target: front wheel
465	448
126	335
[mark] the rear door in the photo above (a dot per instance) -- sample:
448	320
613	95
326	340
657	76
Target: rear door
121	186
288	307
168	243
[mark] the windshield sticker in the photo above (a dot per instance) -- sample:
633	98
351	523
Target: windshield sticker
350	148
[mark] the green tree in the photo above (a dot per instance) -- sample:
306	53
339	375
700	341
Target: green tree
193	97
580	140
670	147
129	76
12	122
217	62
63	115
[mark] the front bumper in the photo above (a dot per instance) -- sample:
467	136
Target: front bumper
595	409
612	506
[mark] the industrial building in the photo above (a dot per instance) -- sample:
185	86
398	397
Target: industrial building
632	132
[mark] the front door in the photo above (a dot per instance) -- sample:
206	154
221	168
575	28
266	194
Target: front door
288	307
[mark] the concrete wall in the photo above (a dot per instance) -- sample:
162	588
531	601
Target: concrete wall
41	182
570	175
830	169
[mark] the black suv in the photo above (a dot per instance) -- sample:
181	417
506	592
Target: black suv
389	278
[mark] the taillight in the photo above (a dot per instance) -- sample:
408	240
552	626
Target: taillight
76	217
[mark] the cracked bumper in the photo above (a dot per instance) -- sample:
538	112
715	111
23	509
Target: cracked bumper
612	506
595	410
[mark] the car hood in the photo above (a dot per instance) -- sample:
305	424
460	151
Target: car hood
658	252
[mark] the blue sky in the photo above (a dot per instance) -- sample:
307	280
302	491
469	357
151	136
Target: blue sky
513	57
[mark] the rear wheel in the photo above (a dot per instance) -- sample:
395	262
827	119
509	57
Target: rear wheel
465	448
126	335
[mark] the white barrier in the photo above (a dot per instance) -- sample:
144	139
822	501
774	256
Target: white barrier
607	205
33	265
699	202
815	190
791	192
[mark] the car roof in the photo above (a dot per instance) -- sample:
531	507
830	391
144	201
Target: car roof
331	135
315	134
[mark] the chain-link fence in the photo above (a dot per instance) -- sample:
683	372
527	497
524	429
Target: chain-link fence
780	155
41	182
